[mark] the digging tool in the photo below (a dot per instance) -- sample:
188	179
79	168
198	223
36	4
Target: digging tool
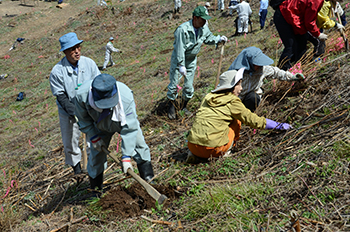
84	160
346	42
150	190
219	68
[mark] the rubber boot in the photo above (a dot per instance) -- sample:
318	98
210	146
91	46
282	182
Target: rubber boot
171	110
96	182
146	170
184	109
77	168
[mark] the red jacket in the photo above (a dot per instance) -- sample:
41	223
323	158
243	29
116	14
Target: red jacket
302	15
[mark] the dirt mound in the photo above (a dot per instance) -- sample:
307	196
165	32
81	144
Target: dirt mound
130	202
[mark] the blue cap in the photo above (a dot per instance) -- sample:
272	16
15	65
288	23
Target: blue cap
104	91
69	40
111	38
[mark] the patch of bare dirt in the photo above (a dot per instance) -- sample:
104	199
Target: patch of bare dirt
130	202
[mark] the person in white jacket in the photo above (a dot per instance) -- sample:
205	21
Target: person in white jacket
177	6
101	3
108	56
244	11
221	5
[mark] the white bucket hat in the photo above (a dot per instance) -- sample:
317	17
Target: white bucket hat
229	79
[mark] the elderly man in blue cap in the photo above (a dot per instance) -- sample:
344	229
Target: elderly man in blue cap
189	37
108	56
65	78
105	106
257	68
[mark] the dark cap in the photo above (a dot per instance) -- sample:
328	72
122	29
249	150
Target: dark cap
201	11
104	91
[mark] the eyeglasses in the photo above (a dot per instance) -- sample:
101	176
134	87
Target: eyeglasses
72	49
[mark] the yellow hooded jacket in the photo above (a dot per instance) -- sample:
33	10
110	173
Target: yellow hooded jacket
323	17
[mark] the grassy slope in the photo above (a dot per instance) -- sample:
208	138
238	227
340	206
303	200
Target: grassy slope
261	179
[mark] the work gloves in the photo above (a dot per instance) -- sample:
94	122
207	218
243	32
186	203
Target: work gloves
339	26
183	71
67	105
126	163
322	36
298	77
223	39
270	124
97	143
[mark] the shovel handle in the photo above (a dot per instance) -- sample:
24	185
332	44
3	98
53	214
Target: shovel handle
84	161
150	190
219	68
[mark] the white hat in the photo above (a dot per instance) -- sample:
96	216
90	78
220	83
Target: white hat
111	38
207	4
229	79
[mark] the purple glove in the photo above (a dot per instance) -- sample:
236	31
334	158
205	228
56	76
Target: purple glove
270	124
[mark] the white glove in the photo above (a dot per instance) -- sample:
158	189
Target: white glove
97	143
339	9
223	39
126	163
183	71
322	36
339	26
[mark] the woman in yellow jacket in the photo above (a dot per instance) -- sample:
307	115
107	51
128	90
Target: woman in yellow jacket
218	120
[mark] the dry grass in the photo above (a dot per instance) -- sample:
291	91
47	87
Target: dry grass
307	167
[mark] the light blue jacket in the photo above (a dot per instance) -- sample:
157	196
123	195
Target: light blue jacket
130	133
64	80
263	5
186	45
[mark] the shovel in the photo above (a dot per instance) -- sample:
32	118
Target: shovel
343	34
150	190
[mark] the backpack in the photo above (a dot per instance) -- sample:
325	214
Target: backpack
20	96
275	3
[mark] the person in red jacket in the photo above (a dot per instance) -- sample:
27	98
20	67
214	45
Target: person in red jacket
293	19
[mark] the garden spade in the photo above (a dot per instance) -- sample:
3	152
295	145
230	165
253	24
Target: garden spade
346	42
150	190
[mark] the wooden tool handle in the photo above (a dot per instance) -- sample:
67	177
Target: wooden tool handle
84	160
219	68
150	190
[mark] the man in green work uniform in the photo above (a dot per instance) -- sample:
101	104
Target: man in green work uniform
189	37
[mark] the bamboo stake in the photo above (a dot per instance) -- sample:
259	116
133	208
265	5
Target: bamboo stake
29	207
157	221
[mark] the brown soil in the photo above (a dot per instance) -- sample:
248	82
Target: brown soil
130	202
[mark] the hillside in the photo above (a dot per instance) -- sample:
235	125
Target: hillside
267	176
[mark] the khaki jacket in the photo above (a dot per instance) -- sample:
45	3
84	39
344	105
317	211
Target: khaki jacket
216	113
